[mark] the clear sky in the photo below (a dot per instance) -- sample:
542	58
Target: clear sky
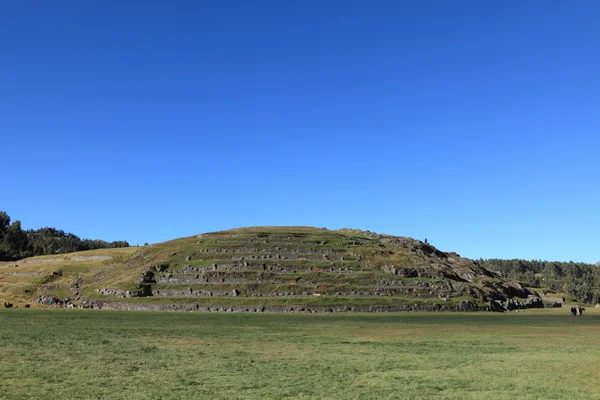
475	124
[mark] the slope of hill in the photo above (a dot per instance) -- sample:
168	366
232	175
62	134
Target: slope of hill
266	269
575	280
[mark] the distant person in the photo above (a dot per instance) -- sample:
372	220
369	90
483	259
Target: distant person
573	311
426	242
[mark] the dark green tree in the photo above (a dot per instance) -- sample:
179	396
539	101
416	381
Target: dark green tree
16	240
16	243
4	224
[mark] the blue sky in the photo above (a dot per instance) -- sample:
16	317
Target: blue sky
474	124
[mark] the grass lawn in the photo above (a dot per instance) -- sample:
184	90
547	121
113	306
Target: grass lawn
96	354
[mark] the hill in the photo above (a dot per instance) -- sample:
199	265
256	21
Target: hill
266	269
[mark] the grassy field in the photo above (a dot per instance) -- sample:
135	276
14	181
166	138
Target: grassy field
94	354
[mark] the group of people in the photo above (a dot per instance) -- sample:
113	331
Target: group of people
577	310
54	301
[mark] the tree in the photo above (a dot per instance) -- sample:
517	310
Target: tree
16	240
16	243
4	224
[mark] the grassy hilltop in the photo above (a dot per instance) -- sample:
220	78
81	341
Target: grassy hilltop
287	267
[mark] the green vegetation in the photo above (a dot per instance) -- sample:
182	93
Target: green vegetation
579	281
16	243
92	354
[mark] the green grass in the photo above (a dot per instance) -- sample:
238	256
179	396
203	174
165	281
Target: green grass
91	354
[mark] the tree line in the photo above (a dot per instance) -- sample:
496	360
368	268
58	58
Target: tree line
578	280
16	243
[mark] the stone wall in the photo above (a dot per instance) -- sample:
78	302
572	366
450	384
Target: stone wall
90	258
112	305
558	300
26	274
